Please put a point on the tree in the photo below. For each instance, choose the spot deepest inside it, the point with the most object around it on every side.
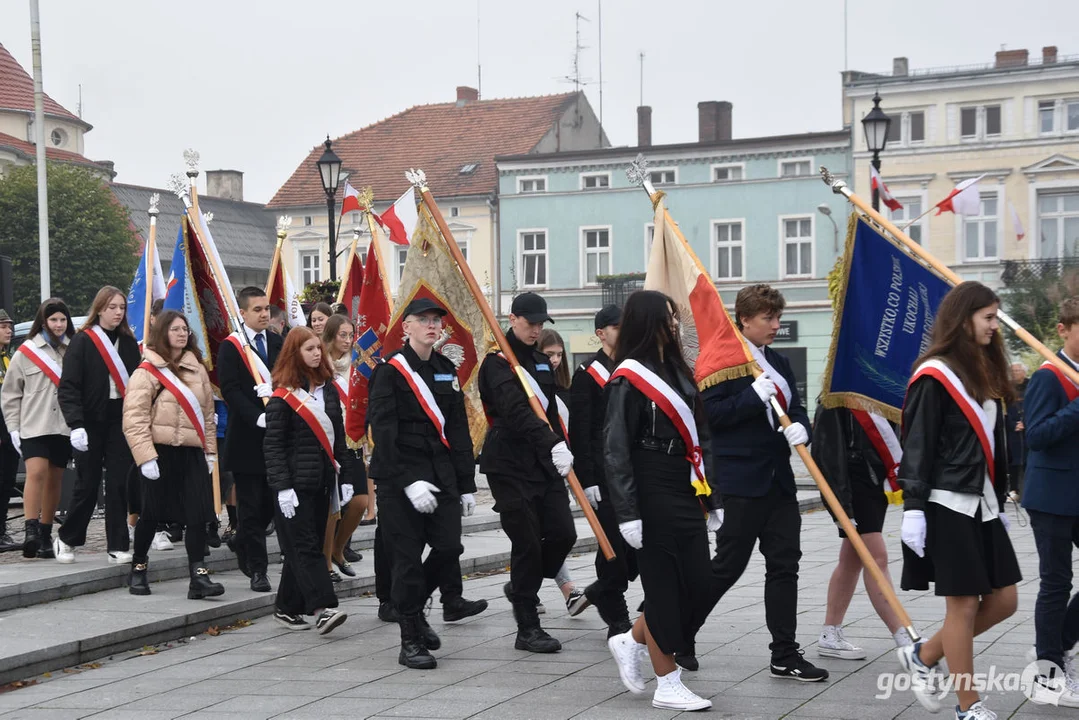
(1034, 303)
(92, 242)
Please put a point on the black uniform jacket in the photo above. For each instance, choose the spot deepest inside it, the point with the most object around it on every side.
(294, 457)
(518, 443)
(243, 436)
(407, 446)
(632, 417)
(941, 450)
(844, 454)
(83, 393)
(587, 411)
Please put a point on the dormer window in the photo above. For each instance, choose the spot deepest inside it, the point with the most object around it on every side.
(468, 168)
(58, 137)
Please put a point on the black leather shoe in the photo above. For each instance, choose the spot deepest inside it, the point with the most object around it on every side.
(345, 567)
(260, 583)
(454, 609)
(536, 640)
(414, 653)
(387, 612)
(136, 581)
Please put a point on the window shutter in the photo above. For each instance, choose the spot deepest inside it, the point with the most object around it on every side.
(1007, 121)
(953, 123)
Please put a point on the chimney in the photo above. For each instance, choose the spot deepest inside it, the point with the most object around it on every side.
(1011, 58)
(900, 67)
(466, 95)
(1049, 54)
(713, 121)
(225, 184)
(644, 126)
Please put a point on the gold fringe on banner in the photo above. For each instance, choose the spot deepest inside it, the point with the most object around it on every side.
(731, 373)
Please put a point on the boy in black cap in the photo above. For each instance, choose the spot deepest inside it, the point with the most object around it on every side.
(424, 474)
(525, 461)
(588, 408)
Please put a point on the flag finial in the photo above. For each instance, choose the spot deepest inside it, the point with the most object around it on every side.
(191, 158)
(837, 185)
(154, 199)
(284, 222)
(177, 185)
(366, 198)
(418, 178)
(637, 172)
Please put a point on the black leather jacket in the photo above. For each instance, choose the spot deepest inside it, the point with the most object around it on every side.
(844, 454)
(941, 450)
(631, 417)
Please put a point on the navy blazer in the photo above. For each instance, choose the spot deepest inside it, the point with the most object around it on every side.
(749, 454)
(1051, 484)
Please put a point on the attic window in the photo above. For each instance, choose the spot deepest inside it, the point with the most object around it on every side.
(468, 168)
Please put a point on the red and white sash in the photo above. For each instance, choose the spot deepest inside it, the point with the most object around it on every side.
(116, 367)
(975, 414)
(43, 360)
(677, 411)
(599, 372)
(423, 395)
(183, 394)
(563, 411)
(259, 372)
(1070, 388)
(342, 387)
(884, 441)
(563, 417)
(316, 418)
(783, 388)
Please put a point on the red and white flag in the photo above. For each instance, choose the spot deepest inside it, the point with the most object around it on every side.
(281, 292)
(1020, 233)
(350, 201)
(963, 200)
(401, 218)
(877, 183)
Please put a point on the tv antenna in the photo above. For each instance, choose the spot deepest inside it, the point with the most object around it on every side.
(575, 78)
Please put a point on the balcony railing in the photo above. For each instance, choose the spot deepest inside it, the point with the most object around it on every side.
(1021, 272)
(616, 288)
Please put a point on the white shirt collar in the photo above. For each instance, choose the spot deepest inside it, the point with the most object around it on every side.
(1073, 363)
(251, 334)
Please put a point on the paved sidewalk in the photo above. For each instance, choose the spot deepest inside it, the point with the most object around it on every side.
(263, 671)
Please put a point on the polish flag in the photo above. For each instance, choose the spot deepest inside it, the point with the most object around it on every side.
(886, 197)
(1020, 233)
(401, 218)
(964, 199)
(351, 200)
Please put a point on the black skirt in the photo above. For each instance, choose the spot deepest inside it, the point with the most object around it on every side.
(963, 555)
(184, 492)
(869, 505)
(54, 448)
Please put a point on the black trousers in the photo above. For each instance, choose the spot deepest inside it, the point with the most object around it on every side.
(775, 521)
(182, 492)
(9, 466)
(406, 533)
(613, 576)
(383, 566)
(255, 508)
(1056, 618)
(305, 580)
(107, 449)
(538, 522)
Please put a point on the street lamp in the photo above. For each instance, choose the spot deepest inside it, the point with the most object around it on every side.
(826, 211)
(876, 124)
(329, 169)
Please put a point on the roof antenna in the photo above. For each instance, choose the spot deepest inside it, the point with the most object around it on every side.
(575, 78)
(479, 67)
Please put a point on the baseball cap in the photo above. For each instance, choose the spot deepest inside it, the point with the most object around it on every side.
(531, 307)
(608, 315)
(422, 305)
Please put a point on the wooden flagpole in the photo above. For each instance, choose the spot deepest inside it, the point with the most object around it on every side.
(419, 181)
(276, 260)
(151, 249)
(348, 267)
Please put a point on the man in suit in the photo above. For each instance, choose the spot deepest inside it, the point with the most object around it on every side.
(245, 394)
(754, 476)
(1051, 497)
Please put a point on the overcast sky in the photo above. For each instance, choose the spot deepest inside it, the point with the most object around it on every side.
(254, 85)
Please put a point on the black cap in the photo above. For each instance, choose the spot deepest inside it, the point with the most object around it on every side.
(608, 315)
(422, 305)
(531, 307)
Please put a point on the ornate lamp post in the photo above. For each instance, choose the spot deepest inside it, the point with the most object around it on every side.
(329, 170)
(876, 124)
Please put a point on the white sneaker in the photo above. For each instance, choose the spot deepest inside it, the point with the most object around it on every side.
(120, 557)
(626, 653)
(832, 644)
(671, 694)
(1070, 696)
(921, 677)
(977, 711)
(161, 541)
(64, 552)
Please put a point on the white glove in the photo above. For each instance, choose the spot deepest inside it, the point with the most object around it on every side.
(913, 531)
(150, 470)
(796, 434)
(715, 520)
(765, 388)
(632, 533)
(347, 491)
(261, 422)
(16, 441)
(593, 495)
(288, 501)
(217, 421)
(211, 460)
(562, 458)
(264, 390)
(79, 440)
(468, 504)
(1007, 523)
(422, 495)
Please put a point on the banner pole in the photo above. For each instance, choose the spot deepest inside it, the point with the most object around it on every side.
(151, 247)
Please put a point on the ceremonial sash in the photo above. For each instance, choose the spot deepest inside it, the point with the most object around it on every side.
(259, 372)
(677, 411)
(563, 417)
(1070, 388)
(111, 358)
(975, 414)
(183, 394)
(316, 418)
(783, 388)
(599, 372)
(423, 395)
(884, 441)
(342, 387)
(45, 363)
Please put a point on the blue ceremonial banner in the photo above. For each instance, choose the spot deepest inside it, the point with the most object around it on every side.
(886, 307)
(139, 296)
(176, 286)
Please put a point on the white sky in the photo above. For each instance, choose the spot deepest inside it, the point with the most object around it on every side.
(254, 85)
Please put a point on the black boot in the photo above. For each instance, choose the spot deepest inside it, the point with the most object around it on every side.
(201, 586)
(457, 608)
(611, 608)
(31, 539)
(44, 534)
(430, 639)
(7, 543)
(136, 581)
(387, 612)
(213, 536)
(413, 648)
(530, 636)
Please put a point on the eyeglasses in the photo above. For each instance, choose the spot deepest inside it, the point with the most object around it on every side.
(427, 319)
(181, 330)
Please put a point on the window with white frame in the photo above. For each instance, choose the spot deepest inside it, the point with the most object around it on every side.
(310, 270)
(534, 258)
(597, 253)
(362, 252)
(531, 184)
(979, 122)
(306, 220)
(912, 208)
(1058, 224)
(663, 177)
(795, 168)
(730, 246)
(354, 218)
(463, 245)
(728, 173)
(980, 231)
(797, 246)
(907, 128)
(401, 256)
(1058, 116)
(595, 181)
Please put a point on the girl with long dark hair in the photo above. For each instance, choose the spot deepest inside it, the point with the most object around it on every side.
(320, 314)
(659, 458)
(954, 478)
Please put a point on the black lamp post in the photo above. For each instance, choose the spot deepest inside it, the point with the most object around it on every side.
(876, 124)
(329, 169)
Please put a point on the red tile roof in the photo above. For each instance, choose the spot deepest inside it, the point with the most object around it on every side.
(440, 139)
(17, 90)
(29, 151)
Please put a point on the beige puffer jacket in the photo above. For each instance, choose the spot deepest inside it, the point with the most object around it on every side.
(152, 415)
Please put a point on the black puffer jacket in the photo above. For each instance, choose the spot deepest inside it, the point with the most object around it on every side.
(294, 457)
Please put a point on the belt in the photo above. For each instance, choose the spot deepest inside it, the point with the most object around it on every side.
(673, 446)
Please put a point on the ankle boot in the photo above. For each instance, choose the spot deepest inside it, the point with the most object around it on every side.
(414, 652)
(530, 636)
(456, 608)
(137, 583)
(430, 639)
(44, 533)
(31, 539)
(6, 542)
(201, 586)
